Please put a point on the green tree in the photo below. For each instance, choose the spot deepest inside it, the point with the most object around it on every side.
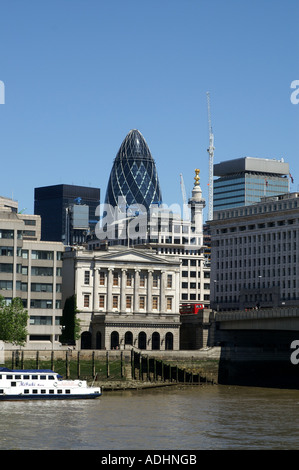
(13, 321)
(70, 321)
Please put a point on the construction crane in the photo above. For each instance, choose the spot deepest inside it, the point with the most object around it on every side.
(211, 160)
(185, 202)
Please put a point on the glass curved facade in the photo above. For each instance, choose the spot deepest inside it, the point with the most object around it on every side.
(134, 175)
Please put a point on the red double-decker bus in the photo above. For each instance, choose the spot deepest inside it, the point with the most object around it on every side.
(191, 308)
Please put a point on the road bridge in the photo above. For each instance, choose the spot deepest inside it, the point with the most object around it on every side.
(265, 327)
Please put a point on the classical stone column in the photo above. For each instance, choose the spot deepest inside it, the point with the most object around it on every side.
(136, 290)
(109, 290)
(162, 292)
(95, 289)
(149, 290)
(123, 291)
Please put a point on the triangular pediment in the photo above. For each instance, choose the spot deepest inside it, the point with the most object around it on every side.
(131, 255)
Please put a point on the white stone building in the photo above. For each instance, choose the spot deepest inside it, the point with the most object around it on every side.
(125, 297)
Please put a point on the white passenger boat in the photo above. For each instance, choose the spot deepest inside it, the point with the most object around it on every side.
(38, 384)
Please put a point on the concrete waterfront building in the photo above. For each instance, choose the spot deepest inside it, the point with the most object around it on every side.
(31, 270)
(255, 254)
(126, 297)
(244, 181)
(68, 212)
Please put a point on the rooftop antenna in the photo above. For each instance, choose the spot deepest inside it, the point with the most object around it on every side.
(211, 161)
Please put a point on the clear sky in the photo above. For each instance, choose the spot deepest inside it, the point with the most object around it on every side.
(79, 74)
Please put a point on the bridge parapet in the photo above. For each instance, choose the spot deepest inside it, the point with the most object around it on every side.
(257, 314)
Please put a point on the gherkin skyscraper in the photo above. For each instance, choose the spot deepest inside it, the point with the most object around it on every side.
(134, 174)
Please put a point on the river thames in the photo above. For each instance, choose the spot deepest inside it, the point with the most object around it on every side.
(174, 418)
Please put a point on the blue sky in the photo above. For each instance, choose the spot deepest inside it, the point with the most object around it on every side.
(79, 74)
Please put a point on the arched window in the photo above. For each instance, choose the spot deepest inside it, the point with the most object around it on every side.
(86, 340)
(169, 341)
(129, 338)
(99, 340)
(114, 340)
(155, 340)
(142, 340)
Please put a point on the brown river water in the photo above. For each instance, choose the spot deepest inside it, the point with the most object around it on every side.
(209, 417)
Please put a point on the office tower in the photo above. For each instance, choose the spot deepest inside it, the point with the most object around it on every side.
(67, 212)
(245, 181)
(255, 258)
(134, 176)
(31, 270)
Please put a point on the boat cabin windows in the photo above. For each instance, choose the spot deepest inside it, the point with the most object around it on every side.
(26, 377)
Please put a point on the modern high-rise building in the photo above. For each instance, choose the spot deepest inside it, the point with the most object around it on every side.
(245, 181)
(68, 212)
(133, 177)
(255, 258)
(31, 269)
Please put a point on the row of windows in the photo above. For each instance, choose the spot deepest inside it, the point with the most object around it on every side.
(129, 279)
(262, 208)
(129, 301)
(26, 377)
(35, 287)
(43, 320)
(35, 270)
(248, 263)
(43, 391)
(279, 235)
(35, 254)
(206, 297)
(270, 248)
(195, 274)
(192, 285)
(41, 303)
(288, 284)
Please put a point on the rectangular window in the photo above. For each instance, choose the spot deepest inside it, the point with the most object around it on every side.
(102, 278)
(155, 303)
(141, 302)
(169, 303)
(40, 303)
(142, 280)
(40, 287)
(6, 268)
(86, 300)
(129, 279)
(169, 280)
(6, 251)
(102, 301)
(37, 254)
(86, 277)
(115, 279)
(115, 301)
(155, 280)
(41, 271)
(128, 301)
